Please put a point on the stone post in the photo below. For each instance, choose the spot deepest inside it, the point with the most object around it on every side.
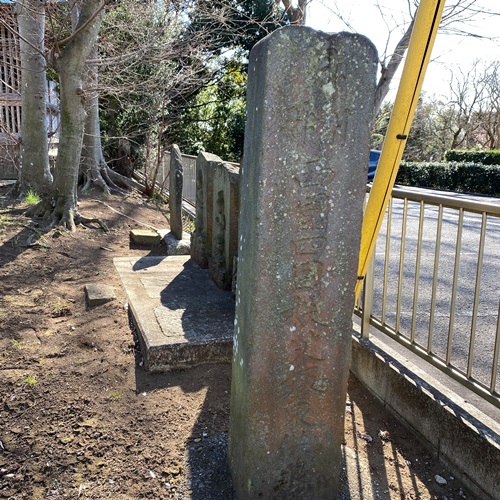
(226, 199)
(202, 236)
(309, 105)
(175, 192)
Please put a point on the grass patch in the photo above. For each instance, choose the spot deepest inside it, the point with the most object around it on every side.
(18, 344)
(30, 380)
(188, 224)
(115, 395)
(43, 244)
(5, 221)
(159, 200)
(60, 308)
(31, 198)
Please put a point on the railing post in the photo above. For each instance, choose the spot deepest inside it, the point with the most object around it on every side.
(368, 299)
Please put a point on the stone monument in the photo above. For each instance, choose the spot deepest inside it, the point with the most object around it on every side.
(309, 105)
(175, 192)
(226, 197)
(202, 236)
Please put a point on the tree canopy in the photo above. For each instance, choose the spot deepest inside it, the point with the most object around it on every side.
(143, 75)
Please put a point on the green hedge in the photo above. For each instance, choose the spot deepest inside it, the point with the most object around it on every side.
(486, 157)
(463, 177)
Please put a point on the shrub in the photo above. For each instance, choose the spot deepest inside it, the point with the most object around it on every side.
(485, 157)
(462, 177)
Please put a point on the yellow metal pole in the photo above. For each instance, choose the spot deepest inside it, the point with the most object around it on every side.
(422, 39)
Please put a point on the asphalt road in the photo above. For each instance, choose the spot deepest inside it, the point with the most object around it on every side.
(461, 323)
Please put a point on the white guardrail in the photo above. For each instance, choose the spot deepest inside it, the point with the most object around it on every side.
(433, 284)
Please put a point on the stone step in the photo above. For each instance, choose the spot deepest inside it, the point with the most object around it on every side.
(182, 318)
(146, 237)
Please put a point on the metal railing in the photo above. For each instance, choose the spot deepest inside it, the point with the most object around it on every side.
(434, 282)
(189, 174)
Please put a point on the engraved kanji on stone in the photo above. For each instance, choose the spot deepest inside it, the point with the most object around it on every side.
(303, 180)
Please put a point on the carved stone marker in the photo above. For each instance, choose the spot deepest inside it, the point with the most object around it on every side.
(202, 236)
(226, 197)
(309, 102)
(175, 192)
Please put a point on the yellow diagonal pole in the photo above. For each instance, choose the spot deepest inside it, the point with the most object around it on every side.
(422, 39)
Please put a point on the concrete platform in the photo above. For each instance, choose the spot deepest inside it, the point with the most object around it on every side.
(182, 318)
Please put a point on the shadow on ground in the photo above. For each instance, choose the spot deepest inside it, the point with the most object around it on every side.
(207, 475)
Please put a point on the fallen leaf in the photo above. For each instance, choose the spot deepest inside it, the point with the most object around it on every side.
(365, 436)
(384, 435)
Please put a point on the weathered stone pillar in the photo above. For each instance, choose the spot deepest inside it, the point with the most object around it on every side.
(226, 199)
(309, 102)
(202, 236)
(175, 192)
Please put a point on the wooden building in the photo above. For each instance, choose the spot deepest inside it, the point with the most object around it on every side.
(10, 96)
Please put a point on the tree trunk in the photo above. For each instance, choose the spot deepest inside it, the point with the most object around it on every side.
(35, 171)
(93, 166)
(71, 67)
(389, 70)
(296, 13)
(70, 143)
(92, 159)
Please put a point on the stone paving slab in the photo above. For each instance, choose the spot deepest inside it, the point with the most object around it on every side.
(182, 318)
(97, 294)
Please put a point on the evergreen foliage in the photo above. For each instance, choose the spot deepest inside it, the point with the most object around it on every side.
(463, 177)
(215, 119)
(485, 157)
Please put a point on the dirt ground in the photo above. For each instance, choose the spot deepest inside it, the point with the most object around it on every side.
(79, 416)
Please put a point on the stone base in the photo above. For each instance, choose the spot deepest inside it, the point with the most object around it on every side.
(210, 476)
(175, 246)
(199, 250)
(222, 276)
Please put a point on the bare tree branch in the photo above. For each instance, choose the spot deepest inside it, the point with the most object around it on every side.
(16, 34)
(456, 17)
(84, 26)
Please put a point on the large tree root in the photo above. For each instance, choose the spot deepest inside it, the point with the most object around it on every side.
(81, 219)
(97, 173)
(126, 216)
(109, 181)
(65, 216)
(42, 209)
(98, 176)
(125, 182)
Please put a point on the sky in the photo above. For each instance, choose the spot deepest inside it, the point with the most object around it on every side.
(450, 53)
